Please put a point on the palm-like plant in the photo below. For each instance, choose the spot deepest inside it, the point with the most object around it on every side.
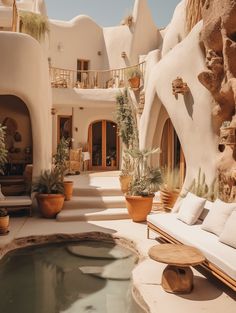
(49, 182)
(146, 179)
(3, 151)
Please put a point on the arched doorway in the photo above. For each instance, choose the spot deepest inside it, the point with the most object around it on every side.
(103, 145)
(172, 154)
(14, 115)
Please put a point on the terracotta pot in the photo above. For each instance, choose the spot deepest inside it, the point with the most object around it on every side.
(50, 204)
(68, 189)
(4, 224)
(125, 182)
(168, 198)
(134, 82)
(139, 207)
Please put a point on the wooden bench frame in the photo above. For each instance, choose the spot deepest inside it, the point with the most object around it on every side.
(216, 271)
(15, 207)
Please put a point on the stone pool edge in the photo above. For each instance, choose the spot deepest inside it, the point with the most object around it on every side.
(37, 240)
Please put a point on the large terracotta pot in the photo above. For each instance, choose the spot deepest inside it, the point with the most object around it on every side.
(50, 204)
(134, 82)
(4, 224)
(168, 198)
(68, 189)
(125, 181)
(139, 207)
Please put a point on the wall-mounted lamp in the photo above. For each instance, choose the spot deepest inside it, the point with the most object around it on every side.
(60, 47)
(53, 111)
(123, 54)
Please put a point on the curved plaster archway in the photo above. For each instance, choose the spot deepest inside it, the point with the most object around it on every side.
(24, 74)
(189, 113)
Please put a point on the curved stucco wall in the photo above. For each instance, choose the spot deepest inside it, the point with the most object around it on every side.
(24, 73)
(80, 38)
(142, 37)
(175, 31)
(190, 113)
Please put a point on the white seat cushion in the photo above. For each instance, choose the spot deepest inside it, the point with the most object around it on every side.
(228, 236)
(216, 218)
(223, 256)
(191, 208)
(14, 201)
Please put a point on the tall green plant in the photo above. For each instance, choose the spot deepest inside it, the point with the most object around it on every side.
(126, 121)
(33, 24)
(171, 178)
(49, 182)
(145, 179)
(3, 151)
(200, 188)
(62, 155)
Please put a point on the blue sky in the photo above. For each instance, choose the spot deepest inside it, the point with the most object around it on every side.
(108, 12)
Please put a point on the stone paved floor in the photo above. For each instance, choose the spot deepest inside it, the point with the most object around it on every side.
(207, 296)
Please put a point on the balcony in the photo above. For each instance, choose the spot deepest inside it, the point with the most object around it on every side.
(90, 79)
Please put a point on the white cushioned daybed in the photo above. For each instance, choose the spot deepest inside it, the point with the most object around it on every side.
(220, 257)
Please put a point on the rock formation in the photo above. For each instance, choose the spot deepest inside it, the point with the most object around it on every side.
(218, 37)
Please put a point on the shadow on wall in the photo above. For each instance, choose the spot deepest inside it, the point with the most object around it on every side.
(189, 102)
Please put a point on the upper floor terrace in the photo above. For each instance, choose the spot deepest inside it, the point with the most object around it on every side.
(95, 79)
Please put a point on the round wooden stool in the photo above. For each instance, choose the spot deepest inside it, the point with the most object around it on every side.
(177, 276)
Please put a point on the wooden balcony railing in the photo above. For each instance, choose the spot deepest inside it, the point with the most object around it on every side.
(116, 78)
(14, 16)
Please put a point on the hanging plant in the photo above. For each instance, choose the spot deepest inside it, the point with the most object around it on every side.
(35, 25)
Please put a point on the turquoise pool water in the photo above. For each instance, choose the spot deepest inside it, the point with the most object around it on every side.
(68, 278)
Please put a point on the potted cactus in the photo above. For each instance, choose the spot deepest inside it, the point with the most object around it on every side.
(170, 189)
(4, 221)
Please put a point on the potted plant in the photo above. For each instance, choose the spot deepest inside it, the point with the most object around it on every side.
(145, 181)
(60, 160)
(50, 193)
(128, 132)
(169, 190)
(4, 222)
(134, 76)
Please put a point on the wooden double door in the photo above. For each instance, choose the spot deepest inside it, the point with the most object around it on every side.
(172, 155)
(103, 145)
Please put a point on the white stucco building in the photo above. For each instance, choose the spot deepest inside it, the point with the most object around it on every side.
(67, 85)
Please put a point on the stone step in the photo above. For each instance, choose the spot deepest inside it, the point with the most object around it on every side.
(95, 202)
(95, 192)
(92, 214)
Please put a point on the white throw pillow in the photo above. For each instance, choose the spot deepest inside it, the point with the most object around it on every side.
(177, 205)
(217, 217)
(228, 236)
(191, 208)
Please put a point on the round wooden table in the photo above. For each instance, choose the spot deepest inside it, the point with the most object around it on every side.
(177, 277)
